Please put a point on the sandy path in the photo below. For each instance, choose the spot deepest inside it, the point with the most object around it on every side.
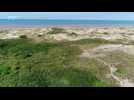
(100, 51)
(113, 69)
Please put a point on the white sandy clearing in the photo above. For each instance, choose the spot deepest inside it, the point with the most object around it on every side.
(9, 36)
(60, 36)
(64, 36)
(102, 49)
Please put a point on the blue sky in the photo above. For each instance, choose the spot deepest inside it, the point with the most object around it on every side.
(72, 15)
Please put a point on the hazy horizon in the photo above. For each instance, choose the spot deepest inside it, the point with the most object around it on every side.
(69, 15)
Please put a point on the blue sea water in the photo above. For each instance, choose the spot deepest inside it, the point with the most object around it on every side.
(47, 22)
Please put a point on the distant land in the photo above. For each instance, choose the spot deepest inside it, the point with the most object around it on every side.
(28, 17)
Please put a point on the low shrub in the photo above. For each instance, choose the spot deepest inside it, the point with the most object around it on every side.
(57, 30)
(73, 34)
(23, 36)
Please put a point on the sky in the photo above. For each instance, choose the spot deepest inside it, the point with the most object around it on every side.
(70, 15)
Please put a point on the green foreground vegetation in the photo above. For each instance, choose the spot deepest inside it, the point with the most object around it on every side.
(47, 64)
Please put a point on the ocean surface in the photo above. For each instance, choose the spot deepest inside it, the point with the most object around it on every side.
(48, 22)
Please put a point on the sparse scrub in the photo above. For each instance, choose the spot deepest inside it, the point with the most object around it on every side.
(91, 41)
(4, 31)
(106, 33)
(56, 31)
(73, 34)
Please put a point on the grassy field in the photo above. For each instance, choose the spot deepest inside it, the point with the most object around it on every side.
(46, 64)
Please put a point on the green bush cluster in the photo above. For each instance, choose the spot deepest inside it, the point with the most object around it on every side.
(23, 36)
(24, 63)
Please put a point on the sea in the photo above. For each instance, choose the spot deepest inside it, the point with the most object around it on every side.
(61, 22)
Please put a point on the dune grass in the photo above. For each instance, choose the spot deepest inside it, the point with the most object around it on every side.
(4, 31)
(56, 30)
(45, 64)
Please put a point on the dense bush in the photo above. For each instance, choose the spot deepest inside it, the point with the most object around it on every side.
(24, 63)
(23, 36)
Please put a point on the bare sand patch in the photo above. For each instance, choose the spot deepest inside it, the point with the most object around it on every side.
(103, 49)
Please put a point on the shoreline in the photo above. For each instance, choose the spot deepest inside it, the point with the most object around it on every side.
(64, 26)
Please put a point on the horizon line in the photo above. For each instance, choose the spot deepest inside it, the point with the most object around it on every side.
(59, 19)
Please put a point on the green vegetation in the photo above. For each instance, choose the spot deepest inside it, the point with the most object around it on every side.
(121, 71)
(91, 41)
(73, 34)
(123, 62)
(39, 35)
(4, 31)
(23, 36)
(46, 64)
(38, 59)
(105, 33)
(56, 30)
(125, 68)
